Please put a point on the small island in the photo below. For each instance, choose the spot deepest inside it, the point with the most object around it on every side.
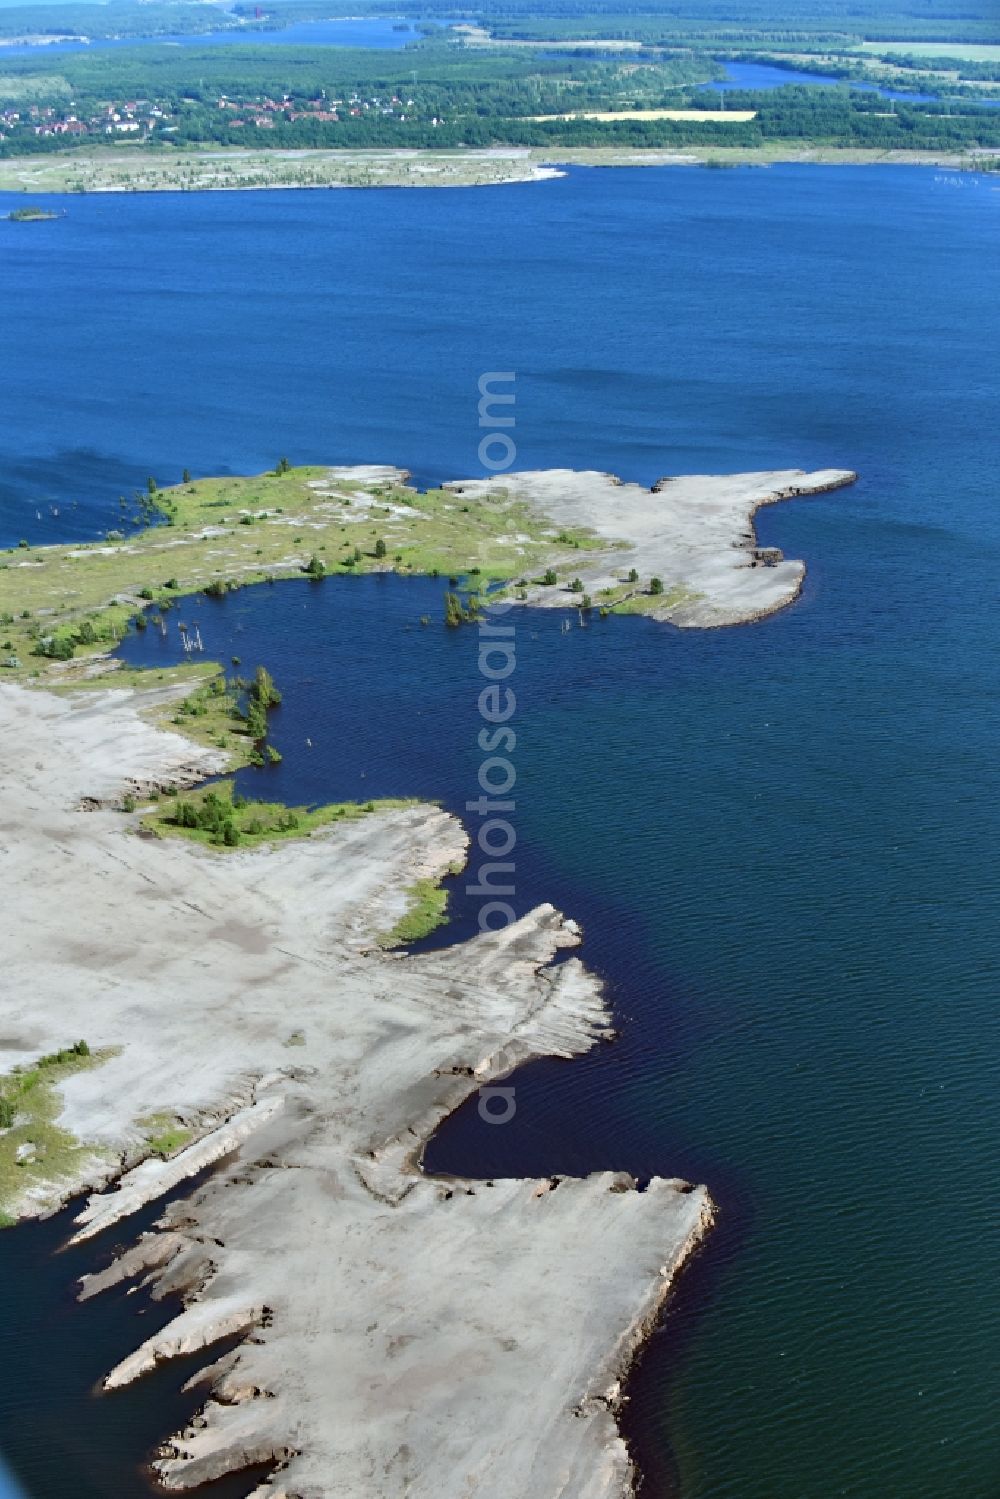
(32, 215)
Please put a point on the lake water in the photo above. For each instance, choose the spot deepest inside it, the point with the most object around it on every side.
(758, 75)
(376, 32)
(780, 839)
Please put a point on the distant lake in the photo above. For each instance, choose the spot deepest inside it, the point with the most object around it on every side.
(748, 75)
(781, 840)
(378, 33)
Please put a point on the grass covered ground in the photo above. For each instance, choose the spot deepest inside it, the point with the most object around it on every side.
(63, 606)
(218, 817)
(33, 1148)
(972, 51)
(427, 910)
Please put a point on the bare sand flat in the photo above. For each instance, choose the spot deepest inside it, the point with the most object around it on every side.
(406, 1336)
(695, 534)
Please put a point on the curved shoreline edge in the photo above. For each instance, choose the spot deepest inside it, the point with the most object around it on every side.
(363, 1285)
(570, 538)
(239, 169)
(242, 1009)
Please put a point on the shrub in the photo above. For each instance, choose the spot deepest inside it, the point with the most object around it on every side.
(380, 548)
(315, 567)
(633, 575)
(216, 589)
(656, 585)
(256, 720)
(454, 611)
(263, 689)
(145, 593)
(7, 1113)
(576, 586)
(56, 648)
(549, 576)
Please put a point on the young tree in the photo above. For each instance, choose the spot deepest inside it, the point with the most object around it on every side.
(263, 689)
(656, 585)
(454, 613)
(380, 548)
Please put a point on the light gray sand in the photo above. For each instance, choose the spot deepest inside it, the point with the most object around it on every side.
(408, 1337)
(694, 533)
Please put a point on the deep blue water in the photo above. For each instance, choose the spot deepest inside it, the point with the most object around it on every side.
(780, 839)
(372, 31)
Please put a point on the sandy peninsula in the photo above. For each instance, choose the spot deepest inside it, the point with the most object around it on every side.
(242, 169)
(683, 551)
(405, 1335)
(170, 1006)
(694, 534)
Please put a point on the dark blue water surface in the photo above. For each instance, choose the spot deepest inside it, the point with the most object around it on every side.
(780, 839)
(376, 32)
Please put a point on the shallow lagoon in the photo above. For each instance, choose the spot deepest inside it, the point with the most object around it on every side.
(779, 839)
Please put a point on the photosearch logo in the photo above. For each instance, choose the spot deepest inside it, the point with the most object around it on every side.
(496, 837)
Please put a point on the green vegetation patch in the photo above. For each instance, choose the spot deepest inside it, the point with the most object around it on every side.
(219, 817)
(33, 1147)
(62, 606)
(165, 1134)
(426, 911)
(647, 601)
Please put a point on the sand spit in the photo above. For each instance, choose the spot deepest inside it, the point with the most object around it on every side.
(405, 1336)
(694, 533)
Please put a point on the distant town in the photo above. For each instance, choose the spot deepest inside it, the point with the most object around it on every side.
(141, 118)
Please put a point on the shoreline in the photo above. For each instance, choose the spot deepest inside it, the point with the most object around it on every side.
(199, 1007)
(239, 169)
(254, 1019)
(684, 552)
